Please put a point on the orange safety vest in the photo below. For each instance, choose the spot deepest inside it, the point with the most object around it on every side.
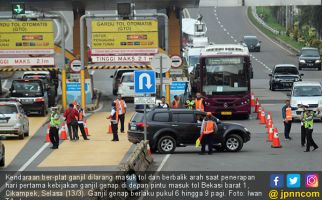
(118, 102)
(175, 104)
(80, 116)
(288, 114)
(209, 127)
(199, 105)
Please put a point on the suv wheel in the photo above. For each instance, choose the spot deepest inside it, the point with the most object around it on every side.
(273, 87)
(21, 136)
(319, 68)
(2, 162)
(234, 143)
(166, 144)
(300, 68)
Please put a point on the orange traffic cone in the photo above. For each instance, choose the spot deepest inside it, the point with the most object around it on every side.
(47, 134)
(257, 106)
(270, 135)
(276, 141)
(63, 134)
(269, 123)
(259, 112)
(109, 129)
(85, 127)
(268, 118)
(262, 117)
(252, 102)
(149, 150)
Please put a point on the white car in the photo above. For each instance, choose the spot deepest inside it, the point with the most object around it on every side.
(306, 93)
(126, 86)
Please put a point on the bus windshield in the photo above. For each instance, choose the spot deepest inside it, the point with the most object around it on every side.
(225, 75)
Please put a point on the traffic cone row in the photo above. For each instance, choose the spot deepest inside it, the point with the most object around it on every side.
(272, 133)
(252, 102)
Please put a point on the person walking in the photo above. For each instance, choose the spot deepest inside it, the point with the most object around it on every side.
(287, 119)
(208, 128)
(176, 102)
(80, 121)
(54, 127)
(163, 104)
(308, 124)
(70, 115)
(190, 103)
(114, 122)
(121, 110)
(199, 102)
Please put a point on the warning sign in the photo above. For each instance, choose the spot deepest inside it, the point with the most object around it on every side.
(26, 36)
(125, 34)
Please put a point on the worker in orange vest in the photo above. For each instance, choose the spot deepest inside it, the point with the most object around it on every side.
(208, 128)
(114, 122)
(199, 102)
(176, 102)
(121, 110)
(80, 120)
(287, 118)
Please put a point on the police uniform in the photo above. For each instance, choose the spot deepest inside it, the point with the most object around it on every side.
(190, 104)
(308, 124)
(80, 121)
(54, 129)
(208, 129)
(303, 130)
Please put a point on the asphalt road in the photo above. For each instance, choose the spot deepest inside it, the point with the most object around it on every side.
(229, 25)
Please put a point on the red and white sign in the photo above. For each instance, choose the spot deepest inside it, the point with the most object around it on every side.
(122, 59)
(123, 51)
(27, 61)
(176, 61)
(76, 65)
(25, 51)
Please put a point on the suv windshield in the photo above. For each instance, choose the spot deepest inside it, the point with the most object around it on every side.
(121, 72)
(250, 40)
(286, 70)
(225, 75)
(310, 53)
(128, 78)
(193, 60)
(8, 109)
(138, 117)
(307, 91)
(26, 88)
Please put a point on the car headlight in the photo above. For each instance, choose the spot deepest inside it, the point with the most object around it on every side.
(18, 125)
(302, 61)
(296, 79)
(318, 61)
(258, 44)
(246, 129)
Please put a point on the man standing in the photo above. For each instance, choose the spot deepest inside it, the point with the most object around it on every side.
(308, 124)
(208, 128)
(114, 122)
(287, 118)
(121, 110)
(200, 103)
(80, 120)
(190, 103)
(163, 104)
(176, 102)
(72, 125)
(54, 127)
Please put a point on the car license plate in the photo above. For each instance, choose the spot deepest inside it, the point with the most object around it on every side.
(3, 121)
(27, 100)
(133, 128)
(226, 113)
(310, 64)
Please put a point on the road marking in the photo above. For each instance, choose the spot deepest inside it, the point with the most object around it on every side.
(163, 162)
(235, 41)
(23, 167)
(225, 29)
(228, 33)
(267, 36)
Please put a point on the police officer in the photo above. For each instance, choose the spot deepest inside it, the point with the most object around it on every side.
(308, 124)
(303, 131)
(208, 128)
(54, 127)
(114, 122)
(190, 103)
(287, 119)
(80, 120)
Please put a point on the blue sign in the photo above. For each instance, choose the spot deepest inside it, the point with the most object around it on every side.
(76, 86)
(144, 82)
(178, 85)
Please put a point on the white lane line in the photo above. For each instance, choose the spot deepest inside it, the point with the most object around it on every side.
(163, 162)
(232, 37)
(225, 29)
(235, 41)
(290, 52)
(23, 167)
(221, 26)
(228, 33)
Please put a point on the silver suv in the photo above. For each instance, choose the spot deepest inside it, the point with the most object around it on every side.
(13, 119)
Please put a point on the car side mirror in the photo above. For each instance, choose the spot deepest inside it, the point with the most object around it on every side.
(270, 75)
(288, 94)
(111, 76)
(301, 74)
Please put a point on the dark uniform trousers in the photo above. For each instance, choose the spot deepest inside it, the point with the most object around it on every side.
(287, 129)
(309, 140)
(121, 119)
(303, 135)
(114, 130)
(207, 139)
(72, 130)
(54, 137)
(82, 130)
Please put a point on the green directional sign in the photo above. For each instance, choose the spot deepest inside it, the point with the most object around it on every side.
(18, 8)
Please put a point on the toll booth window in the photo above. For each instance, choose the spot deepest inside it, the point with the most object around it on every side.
(7, 109)
(161, 117)
(183, 117)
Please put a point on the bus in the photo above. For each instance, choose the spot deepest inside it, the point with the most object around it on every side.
(223, 78)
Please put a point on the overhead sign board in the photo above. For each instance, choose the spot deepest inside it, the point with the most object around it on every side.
(27, 61)
(144, 82)
(161, 60)
(121, 59)
(125, 34)
(144, 100)
(27, 35)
